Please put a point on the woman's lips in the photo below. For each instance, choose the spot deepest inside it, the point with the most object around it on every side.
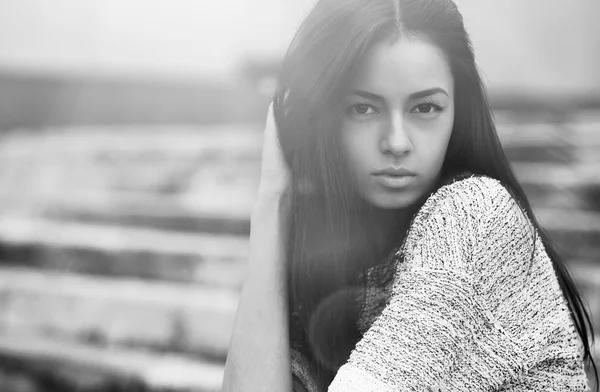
(394, 182)
(395, 171)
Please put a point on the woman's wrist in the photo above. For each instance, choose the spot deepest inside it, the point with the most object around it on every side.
(268, 199)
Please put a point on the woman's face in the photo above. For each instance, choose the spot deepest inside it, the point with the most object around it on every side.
(397, 120)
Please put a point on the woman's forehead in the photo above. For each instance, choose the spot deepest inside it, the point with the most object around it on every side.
(401, 68)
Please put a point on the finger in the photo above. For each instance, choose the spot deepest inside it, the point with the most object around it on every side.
(272, 151)
(274, 170)
(271, 136)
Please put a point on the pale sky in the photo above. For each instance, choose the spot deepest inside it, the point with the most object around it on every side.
(182, 37)
(522, 43)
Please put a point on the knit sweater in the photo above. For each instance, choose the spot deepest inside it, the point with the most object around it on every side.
(474, 305)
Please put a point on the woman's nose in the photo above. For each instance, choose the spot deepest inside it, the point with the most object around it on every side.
(396, 140)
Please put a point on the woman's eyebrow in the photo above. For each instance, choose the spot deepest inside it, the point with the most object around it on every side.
(368, 95)
(428, 92)
(413, 96)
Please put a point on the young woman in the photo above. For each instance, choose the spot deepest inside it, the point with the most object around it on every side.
(392, 248)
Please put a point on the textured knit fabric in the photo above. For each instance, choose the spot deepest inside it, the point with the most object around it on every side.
(475, 305)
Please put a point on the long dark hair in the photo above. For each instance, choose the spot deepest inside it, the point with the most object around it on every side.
(333, 237)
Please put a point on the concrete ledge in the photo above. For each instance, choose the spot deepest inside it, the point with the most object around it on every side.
(115, 238)
(121, 312)
(557, 175)
(73, 363)
(574, 221)
(575, 134)
(214, 260)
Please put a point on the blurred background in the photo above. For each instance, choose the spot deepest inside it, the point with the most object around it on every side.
(130, 134)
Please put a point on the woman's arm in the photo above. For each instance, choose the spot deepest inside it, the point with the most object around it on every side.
(259, 354)
(470, 310)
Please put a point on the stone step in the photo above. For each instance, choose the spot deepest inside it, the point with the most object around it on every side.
(535, 154)
(576, 233)
(217, 214)
(570, 221)
(557, 175)
(24, 229)
(75, 367)
(556, 152)
(201, 258)
(209, 259)
(551, 143)
(157, 316)
(226, 189)
(133, 139)
(574, 186)
(170, 160)
(583, 133)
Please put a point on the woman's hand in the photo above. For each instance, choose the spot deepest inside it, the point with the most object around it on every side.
(275, 175)
(258, 358)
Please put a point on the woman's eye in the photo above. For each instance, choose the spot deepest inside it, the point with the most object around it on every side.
(427, 108)
(361, 109)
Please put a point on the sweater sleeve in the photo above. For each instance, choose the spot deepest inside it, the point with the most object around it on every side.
(440, 329)
(551, 376)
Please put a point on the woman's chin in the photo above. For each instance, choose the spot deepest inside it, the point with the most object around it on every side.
(400, 200)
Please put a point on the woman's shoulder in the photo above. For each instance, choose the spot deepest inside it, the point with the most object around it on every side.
(470, 214)
(473, 196)
(470, 187)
